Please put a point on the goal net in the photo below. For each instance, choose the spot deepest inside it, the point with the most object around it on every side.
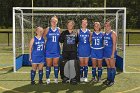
(25, 19)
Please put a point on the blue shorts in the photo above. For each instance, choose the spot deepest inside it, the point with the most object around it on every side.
(97, 53)
(52, 55)
(84, 51)
(38, 59)
(108, 53)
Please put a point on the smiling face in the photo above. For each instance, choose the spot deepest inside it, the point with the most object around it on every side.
(54, 21)
(39, 31)
(97, 26)
(84, 23)
(107, 26)
(70, 24)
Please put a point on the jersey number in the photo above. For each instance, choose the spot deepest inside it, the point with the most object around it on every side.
(53, 38)
(97, 41)
(84, 38)
(106, 42)
(40, 47)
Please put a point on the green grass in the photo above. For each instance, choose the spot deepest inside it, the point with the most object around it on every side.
(20, 82)
(124, 82)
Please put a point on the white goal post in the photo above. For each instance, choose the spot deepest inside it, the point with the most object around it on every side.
(24, 18)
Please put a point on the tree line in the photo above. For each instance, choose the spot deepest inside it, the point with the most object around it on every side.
(133, 8)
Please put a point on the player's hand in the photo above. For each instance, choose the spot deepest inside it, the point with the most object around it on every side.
(112, 56)
(30, 59)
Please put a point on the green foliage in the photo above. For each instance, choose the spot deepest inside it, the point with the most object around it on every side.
(133, 8)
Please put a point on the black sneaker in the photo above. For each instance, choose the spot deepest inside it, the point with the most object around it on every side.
(106, 82)
(40, 82)
(65, 80)
(110, 83)
(73, 81)
(93, 79)
(32, 82)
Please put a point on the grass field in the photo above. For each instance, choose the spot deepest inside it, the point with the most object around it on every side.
(125, 82)
(11, 82)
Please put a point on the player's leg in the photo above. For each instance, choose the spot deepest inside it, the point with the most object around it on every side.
(48, 69)
(81, 69)
(86, 69)
(94, 64)
(65, 55)
(108, 71)
(40, 72)
(56, 70)
(99, 61)
(33, 73)
(112, 71)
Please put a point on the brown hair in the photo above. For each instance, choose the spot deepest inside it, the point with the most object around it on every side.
(71, 22)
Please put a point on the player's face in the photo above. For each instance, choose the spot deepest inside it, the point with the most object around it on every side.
(84, 23)
(107, 26)
(53, 22)
(39, 31)
(96, 27)
(70, 26)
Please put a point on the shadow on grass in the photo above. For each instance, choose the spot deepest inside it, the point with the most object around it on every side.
(6, 71)
(54, 88)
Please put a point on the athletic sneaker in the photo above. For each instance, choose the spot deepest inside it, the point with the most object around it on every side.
(56, 80)
(32, 82)
(65, 80)
(73, 81)
(85, 80)
(48, 81)
(106, 82)
(93, 79)
(82, 79)
(40, 82)
(110, 83)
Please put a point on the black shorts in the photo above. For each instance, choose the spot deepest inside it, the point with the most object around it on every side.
(69, 55)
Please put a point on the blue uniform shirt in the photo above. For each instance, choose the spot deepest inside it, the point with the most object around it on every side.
(84, 44)
(38, 50)
(97, 40)
(52, 44)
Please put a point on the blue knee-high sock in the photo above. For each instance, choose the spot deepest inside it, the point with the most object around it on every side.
(40, 74)
(81, 71)
(48, 70)
(33, 73)
(99, 72)
(56, 71)
(109, 74)
(93, 72)
(85, 71)
(113, 73)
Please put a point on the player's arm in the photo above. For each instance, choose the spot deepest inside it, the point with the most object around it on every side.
(77, 36)
(114, 39)
(30, 49)
(90, 37)
(59, 30)
(62, 37)
(45, 32)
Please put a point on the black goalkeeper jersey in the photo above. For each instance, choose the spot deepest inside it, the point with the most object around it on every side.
(69, 41)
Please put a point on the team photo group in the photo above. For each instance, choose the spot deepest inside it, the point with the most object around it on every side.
(68, 52)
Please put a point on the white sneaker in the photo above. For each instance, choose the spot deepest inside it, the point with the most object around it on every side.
(56, 80)
(48, 81)
(85, 80)
(81, 79)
